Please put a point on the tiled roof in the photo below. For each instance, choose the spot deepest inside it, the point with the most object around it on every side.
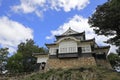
(103, 47)
(78, 34)
(50, 44)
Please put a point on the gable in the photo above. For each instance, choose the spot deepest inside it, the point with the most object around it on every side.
(70, 31)
(67, 38)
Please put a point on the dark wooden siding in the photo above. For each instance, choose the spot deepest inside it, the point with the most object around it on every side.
(52, 56)
(67, 55)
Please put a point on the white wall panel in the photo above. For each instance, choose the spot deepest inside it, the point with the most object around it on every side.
(40, 60)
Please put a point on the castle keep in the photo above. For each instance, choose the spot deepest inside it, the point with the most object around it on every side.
(72, 50)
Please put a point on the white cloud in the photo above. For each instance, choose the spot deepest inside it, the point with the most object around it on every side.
(80, 24)
(12, 33)
(30, 6)
(77, 23)
(113, 48)
(68, 5)
(33, 6)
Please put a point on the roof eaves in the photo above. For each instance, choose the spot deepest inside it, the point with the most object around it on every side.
(88, 40)
(103, 47)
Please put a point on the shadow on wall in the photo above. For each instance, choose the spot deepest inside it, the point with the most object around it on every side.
(40, 66)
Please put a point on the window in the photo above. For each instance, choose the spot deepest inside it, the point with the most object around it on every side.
(86, 49)
(68, 47)
(71, 49)
(83, 49)
(68, 50)
(53, 51)
(63, 50)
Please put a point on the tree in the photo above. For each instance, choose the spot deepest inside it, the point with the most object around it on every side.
(3, 58)
(27, 49)
(118, 51)
(106, 20)
(14, 63)
(22, 60)
(114, 60)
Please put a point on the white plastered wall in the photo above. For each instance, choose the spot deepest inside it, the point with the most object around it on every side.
(40, 60)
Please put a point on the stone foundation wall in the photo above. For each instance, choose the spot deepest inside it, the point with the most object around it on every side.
(70, 63)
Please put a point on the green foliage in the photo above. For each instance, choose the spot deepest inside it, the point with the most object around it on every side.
(27, 49)
(114, 60)
(106, 20)
(71, 74)
(3, 58)
(14, 64)
(115, 78)
(89, 73)
(118, 50)
(22, 60)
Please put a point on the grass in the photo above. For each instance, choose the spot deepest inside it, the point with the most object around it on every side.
(94, 73)
(88, 73)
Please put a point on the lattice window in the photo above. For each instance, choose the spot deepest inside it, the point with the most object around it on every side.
(68, 47)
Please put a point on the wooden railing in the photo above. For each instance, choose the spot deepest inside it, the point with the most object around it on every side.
(67, 55)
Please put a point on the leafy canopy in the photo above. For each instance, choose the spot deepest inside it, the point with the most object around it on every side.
(3, 58)
(22, 60)
(106, 20)
(14, 64)
(114, 60)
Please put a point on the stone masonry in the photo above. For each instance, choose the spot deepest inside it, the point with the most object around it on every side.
(70, 63)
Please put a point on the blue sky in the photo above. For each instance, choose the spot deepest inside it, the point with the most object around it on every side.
(42, 19)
